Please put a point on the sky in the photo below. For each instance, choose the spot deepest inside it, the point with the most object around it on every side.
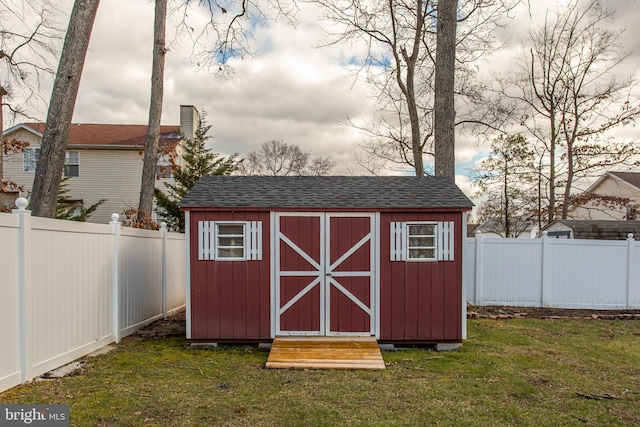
(291, 90)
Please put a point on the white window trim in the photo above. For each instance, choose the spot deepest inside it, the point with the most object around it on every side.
(66, 157)
(407, 236)
(36, 153)
(215, 246)
(164, 170)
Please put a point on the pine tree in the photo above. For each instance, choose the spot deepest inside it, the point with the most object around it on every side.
(72, 212)
(197, 161)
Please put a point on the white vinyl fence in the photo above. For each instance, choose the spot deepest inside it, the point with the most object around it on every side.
(547, 272)
(68, 288)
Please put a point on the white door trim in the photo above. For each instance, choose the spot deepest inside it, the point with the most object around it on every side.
(331, 274)
(316, 276)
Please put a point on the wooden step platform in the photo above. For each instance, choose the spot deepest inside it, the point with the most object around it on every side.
(325, 353)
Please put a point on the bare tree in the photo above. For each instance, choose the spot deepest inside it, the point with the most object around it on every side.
(63, 98)
(227, 33)
(28, 44)
(148, 183)
(507, 181)
(277, 158)
(400, 66)
(568, 98)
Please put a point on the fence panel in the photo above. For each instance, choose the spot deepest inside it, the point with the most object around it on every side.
(69, 300)
(10, 374)
(175, 272)
(511, 272)
(469, 269)
(587, 274)
(634, 274)
(140, 278)
(64, 285)
(562, 273)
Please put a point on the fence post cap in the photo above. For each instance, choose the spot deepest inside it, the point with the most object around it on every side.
(115, 217)
(22, 203)
(163, 225)
(545, 234)
(478, 233)
(630, 236)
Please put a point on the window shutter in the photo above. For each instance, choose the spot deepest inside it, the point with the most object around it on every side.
(397, 241)
(254, 240)
(445, 241)
(204, 242)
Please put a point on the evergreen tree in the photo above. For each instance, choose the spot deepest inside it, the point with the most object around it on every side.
(73, 212)
(508, 184)
(196, 161)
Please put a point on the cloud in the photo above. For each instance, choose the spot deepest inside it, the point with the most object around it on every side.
(291, 90)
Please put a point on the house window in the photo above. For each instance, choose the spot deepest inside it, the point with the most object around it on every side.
(229, 240)
(30, 159)
(421, 241)
(163, 172)
(9, 199)
(72, 164)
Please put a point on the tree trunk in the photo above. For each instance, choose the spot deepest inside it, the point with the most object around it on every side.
(507, 214)
(551, 215)
(3, 203)
(445, 113)
(63, 99)
(566, 197)
(412, 107)
(145, 206)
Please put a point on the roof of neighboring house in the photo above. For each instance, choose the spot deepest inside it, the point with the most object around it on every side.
(495, 225)
(631, 178)
(106, 135)
(600, 230)
(326, 192)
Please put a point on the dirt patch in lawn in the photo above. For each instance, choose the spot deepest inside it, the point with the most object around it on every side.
(172, 326)
(502, 312)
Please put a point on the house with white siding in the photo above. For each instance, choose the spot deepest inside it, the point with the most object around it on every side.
(103, 161)
(615, 196)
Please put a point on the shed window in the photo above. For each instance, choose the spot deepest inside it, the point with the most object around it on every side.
(229, 240)
(421, 241)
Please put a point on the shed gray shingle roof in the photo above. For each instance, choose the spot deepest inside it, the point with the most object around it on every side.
(326, 192)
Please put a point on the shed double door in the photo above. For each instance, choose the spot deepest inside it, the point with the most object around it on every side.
(325, 274)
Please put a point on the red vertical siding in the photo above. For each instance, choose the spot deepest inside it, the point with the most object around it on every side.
(230, 299)
(420, 301)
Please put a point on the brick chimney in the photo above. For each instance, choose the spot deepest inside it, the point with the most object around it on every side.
(189, 119)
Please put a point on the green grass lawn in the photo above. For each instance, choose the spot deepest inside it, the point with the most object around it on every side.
(515, 372)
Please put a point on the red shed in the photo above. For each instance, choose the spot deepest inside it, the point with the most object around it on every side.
(336, 255)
